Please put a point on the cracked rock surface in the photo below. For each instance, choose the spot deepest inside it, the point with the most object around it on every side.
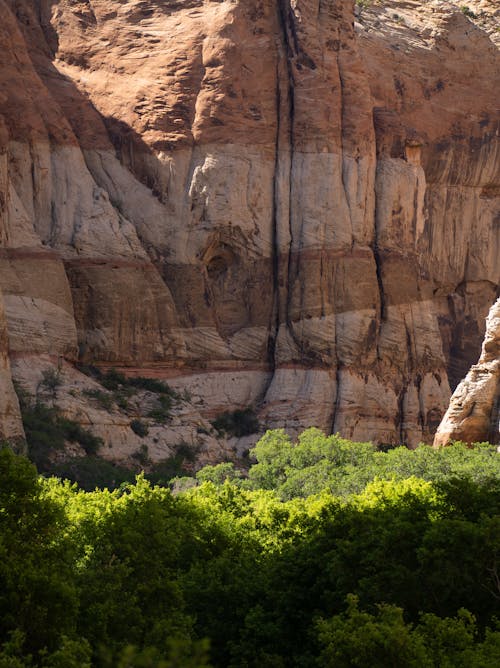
(474, 411)
(266, 202)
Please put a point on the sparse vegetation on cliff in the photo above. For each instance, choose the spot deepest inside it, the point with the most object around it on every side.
(362, 5)
(119, 389)
(467, 11)
(48, 431)
(241, 422)
(140, 428)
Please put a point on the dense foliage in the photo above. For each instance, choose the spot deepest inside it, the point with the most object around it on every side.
(388, 570)
(317, 462)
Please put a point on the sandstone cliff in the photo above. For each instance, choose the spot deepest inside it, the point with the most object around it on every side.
(474, 411)
(267, 202)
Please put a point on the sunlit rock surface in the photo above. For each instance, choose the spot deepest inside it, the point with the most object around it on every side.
(271, 203)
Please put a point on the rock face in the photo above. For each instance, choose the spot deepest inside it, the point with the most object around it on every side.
(474, 411)
(267, 201)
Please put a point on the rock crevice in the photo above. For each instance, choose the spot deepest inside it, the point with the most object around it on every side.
(473, 414)
(265, 193)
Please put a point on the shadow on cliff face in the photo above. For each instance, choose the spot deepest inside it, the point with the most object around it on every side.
(223, 290)
(462, 332)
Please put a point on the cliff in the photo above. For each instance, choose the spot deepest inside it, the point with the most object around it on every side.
(266, 202)
(474, 411)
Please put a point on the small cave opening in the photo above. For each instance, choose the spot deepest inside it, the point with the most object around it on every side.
(218, 262)
(217, 267)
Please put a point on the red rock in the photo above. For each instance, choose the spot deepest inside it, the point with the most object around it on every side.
(256, 184)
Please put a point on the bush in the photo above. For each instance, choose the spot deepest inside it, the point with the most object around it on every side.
(142, 455)
(139, 428)
(113, 379)
(47, 431)
(159, 415)
(176, 466)
(162, 412)
(75, 433)
(51, 380)
(237, 423)
(122, 388)
(217, 474)
(467, 11)
(92, 472)
(153, 385)
(163, 472)
(104, 399)
(362, 5)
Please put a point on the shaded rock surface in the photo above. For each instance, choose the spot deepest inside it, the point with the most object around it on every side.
(267, 202)
(474, 411)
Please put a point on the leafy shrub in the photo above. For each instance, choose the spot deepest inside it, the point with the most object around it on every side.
(51, 380)
(362, 5)
(467, 11)
(121, 401)
(162, 473)
(162, 412)
(91, 473)
(237, 423)
(140, 428)
(47, 431)
(113, 379)
(217, 474)
(74, 432)
(142, 455)
(123, 388)
(104, 399)
(186, 451)
(159, 415)
(153, 385)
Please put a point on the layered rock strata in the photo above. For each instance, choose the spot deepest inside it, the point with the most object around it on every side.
(474, 411)
(264, 201)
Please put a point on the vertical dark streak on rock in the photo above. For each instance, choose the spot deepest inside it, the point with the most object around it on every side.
(494, 431)
(287, 26)
(275, 315)
(342, 117)
(284, 114)
(377, 256)
(338, 393)
(414, 218)
(378, 269)
(418, 385)
(400, 416)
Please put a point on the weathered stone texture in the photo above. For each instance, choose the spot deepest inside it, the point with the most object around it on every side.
(264, 187)
(474, 411)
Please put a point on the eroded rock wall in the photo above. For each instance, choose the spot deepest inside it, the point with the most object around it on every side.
(268, 196)
(474, 411)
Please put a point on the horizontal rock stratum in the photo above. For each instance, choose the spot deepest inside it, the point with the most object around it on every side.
(284, 203)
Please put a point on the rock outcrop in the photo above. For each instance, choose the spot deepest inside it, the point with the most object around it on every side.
(474, 411)
(267, 202)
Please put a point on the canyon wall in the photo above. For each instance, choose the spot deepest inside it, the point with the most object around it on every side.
(286, 204)
(474, 411)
